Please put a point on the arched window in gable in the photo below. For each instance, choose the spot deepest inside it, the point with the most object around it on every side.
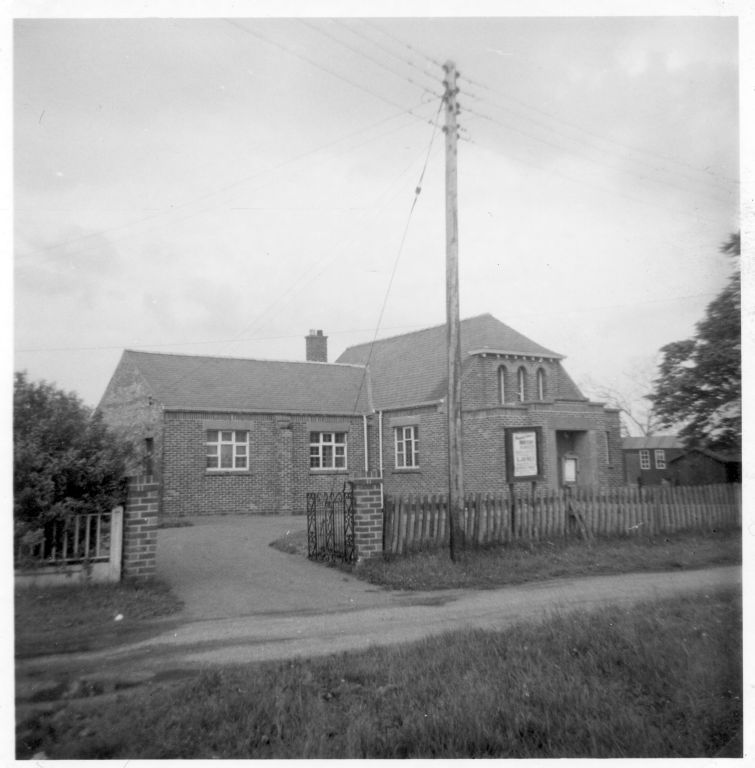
(540, 384)
(521, 382)
(501, 384)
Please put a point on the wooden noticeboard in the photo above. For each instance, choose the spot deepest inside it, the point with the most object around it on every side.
(523, 454)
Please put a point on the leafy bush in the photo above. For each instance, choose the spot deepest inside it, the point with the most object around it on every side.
(65, 460)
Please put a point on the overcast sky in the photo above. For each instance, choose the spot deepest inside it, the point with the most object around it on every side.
(221, 186)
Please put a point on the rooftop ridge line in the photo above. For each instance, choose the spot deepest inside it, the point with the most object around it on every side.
(243, 359)
(419, 330)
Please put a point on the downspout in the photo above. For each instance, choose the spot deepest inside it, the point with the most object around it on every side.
(380, 456)
(366, 447)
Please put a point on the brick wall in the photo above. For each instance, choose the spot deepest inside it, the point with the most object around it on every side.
(278, 478)
(368, 518)
(484, 445)
(431, 422)
(480, 380)
(140, 528)
(128, 409)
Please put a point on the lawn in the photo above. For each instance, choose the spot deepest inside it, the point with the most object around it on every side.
(518, 563)
(661, 679)
(85, 617)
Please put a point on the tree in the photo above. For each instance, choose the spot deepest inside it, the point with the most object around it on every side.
(628, 397)
(65, 460)
(699, 386)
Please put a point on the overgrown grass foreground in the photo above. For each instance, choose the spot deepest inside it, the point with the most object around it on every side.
(659, 680)
(521, 562)
(82, 617)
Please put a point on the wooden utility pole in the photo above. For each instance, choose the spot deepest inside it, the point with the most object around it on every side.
(453, 345)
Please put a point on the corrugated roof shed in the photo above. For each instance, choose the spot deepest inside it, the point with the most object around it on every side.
(411, 368)
(234, 384)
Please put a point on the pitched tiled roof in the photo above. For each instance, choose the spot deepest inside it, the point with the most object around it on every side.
(223, 383)
(654, 441)
(411, 368)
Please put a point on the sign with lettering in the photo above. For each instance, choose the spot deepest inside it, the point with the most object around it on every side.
(523, 453)
(524, 448)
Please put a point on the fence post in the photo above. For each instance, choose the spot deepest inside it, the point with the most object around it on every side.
(140, 527)
(116, 544)
(368, 518)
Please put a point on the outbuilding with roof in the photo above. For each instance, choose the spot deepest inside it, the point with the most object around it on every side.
(646, 458)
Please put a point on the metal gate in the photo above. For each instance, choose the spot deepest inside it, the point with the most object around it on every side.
(330, 525)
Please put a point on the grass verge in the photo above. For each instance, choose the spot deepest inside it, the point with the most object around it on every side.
(292, 543)
(82, 617)
(661, 679)
(518, 563)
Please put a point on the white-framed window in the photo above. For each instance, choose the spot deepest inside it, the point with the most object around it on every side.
(521, 383)
(644, 459)
(327, 450)
(502, 384)
(660, 458)
(407, 447)
(540, 384)
(227, 450)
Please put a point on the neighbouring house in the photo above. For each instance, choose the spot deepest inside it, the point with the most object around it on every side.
(646, 459)
(228, 435)
(699, 466)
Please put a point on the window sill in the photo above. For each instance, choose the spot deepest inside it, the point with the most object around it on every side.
(406, 471)
(226, 472)
(329, 471)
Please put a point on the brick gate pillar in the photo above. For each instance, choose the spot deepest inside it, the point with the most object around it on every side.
(140, 527)
(368, 518)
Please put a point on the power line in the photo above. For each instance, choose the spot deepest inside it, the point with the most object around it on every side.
(213, 193)
(404, 44)
(314, 63)
(369, 58)
(584, 155)
(384, 48)
(344, 331)
(599, 187)
(290, 290)
(140, 345)
(639, 150)
(417, 192)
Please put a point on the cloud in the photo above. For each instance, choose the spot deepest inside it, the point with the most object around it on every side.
(78, 264)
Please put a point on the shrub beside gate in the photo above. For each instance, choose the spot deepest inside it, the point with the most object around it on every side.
(414, 522)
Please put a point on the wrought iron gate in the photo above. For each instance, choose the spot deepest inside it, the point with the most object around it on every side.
(330, 525)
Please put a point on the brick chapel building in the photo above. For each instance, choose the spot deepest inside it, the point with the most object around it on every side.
(226, 435)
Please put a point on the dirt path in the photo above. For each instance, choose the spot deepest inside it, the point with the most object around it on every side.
(200, 644)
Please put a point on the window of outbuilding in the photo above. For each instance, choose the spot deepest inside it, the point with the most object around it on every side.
(660, 458)
(644, 459)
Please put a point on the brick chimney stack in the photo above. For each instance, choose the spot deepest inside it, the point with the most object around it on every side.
(317, 347)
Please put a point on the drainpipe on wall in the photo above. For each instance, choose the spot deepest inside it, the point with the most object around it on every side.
(380, 456)
(366, 447)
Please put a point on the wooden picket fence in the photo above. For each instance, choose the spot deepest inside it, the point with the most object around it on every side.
(417, 522)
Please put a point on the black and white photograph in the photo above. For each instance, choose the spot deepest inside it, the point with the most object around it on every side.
(377, 380)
